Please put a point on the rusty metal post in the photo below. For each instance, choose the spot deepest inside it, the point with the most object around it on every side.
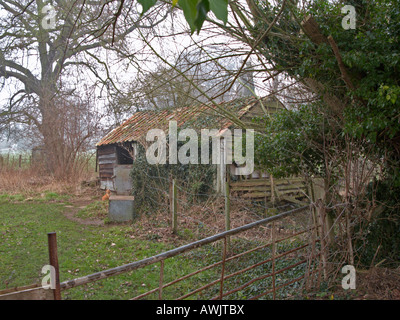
(52, 240)
(221, 288)
(273, 260)
(227, 212)
(310, 263)
(161, 283)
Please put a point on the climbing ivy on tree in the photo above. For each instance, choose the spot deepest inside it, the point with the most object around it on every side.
(371, 58)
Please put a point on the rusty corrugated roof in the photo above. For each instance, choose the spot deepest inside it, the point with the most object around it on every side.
(137, 126)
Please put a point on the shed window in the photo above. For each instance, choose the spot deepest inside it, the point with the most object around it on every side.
(123, 156)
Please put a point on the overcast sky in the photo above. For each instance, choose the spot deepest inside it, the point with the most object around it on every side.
(167, 47)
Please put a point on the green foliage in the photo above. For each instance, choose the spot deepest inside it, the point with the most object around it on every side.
(378, 120)
(381, 240)
(291, 142)
(195, 11)
(189, 8)
(370, 53)
(220, 9)
(147, 4)
(150, 182)
(369, 93)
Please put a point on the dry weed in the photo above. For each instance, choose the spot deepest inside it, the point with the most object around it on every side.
(34, 180)
(379, 284)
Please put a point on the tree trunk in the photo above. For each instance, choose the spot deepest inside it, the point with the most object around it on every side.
(53, 133)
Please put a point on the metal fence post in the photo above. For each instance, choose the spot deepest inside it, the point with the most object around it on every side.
(227, 212)
(221, 288)
(52, 241)
(273, 260)
(161, 283)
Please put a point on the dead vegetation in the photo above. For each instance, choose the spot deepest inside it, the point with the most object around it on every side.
(201, 219)
(376, 283)
(379, 284)
(35, 179)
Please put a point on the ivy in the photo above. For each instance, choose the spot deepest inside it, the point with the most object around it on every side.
(285, 148)
(150, 182)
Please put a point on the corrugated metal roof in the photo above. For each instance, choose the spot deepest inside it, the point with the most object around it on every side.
(137, 126)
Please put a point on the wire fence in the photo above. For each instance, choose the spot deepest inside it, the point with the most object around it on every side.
(15, 160)
(209, 209)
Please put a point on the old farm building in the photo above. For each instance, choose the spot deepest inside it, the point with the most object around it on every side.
(116, 151)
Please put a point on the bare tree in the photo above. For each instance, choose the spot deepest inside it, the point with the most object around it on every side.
(41, 43)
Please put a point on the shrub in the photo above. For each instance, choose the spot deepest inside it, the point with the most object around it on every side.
(151, 182)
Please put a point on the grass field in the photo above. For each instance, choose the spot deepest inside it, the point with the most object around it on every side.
(82, 250)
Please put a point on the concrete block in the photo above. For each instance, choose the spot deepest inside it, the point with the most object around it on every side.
(123, 180)
(121, 208)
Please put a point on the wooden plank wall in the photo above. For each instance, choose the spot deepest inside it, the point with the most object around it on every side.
(291, 189)
(107, 159)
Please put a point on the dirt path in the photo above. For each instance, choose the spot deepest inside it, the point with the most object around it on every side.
(77, 204)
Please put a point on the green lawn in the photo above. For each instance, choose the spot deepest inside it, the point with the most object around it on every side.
(82, 250)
